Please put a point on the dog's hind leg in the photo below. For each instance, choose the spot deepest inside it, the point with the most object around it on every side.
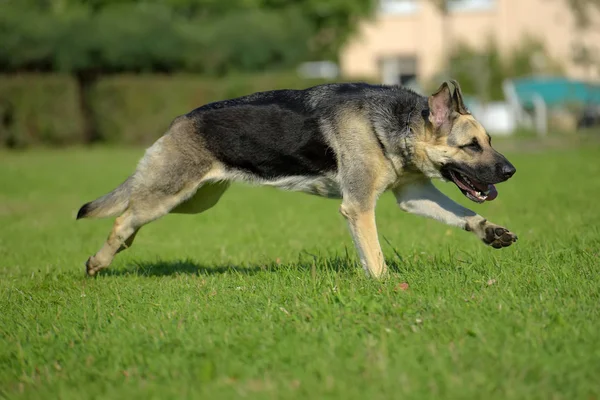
(128, 242)
(167, 177)
(128, 225)
(145, 207)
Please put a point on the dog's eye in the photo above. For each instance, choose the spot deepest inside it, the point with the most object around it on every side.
(474, 145)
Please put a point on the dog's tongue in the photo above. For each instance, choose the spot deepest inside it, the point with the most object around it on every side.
(492, 194)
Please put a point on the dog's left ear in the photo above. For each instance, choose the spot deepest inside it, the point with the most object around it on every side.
(457, 99)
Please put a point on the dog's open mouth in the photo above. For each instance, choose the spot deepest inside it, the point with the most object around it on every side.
(474, 190)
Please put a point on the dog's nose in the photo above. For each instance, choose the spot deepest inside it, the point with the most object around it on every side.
(508, 170)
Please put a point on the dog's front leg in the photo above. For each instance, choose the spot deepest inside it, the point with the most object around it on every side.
(364, 234)
(361, 221)
(422, 198)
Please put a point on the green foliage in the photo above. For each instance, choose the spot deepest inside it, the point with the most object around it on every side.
(255, 298)
(248, 41)
(137, 109)
(333, 21)
(92, 38)
(481, 72)
(205, 36)
(127, 109)
(38, 110)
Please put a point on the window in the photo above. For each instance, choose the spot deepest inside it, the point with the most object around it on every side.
(470, 5)
(398, 70)
(398, 6)
(412, 6)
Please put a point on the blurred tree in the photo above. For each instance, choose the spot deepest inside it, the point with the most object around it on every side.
(88, 38)
(331, 21)
(148, 35)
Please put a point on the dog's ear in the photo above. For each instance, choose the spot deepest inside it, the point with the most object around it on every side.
(440, 106)
(457, 99)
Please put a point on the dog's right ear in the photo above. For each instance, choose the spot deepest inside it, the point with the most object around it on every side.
(440, 107)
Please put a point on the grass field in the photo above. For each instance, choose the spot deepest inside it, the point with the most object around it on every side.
(261, 297)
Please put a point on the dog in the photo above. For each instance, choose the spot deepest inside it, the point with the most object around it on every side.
(348, 141)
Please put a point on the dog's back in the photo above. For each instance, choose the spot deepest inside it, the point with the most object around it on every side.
(281, 133)
(274, 134)
(304, 101)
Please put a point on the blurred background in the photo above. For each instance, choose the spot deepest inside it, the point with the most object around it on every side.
(118, 71)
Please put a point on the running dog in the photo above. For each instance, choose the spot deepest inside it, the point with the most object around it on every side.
(350, 141)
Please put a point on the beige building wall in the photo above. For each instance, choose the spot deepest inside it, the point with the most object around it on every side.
(422, 34)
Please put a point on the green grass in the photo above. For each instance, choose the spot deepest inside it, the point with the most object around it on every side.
(261, 297)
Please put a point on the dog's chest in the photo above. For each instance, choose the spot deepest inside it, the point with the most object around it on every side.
(324, 185)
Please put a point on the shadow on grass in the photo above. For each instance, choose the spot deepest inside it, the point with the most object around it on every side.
(190, 267)
(177, 267)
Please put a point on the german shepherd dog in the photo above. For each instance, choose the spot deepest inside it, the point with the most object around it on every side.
(350, 141)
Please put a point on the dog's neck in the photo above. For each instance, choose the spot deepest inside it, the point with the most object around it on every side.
(414, 124)
(398, 134)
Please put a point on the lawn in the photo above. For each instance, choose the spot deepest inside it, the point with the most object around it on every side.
(261, 296)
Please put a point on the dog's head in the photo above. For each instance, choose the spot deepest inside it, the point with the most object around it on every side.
(458, 149)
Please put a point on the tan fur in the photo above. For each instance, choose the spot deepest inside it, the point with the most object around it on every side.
(435, 147)
(364, 234)
(369, 173)
(422, 198)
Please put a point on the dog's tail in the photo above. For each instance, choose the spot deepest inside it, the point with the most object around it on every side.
(109, 205)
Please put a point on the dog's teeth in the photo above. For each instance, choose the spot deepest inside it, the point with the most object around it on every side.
(468, 182)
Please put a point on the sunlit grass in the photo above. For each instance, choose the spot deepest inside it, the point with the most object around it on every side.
(262, 297)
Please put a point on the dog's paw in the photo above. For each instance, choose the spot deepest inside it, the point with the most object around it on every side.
(498, 237)
(92, 267)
